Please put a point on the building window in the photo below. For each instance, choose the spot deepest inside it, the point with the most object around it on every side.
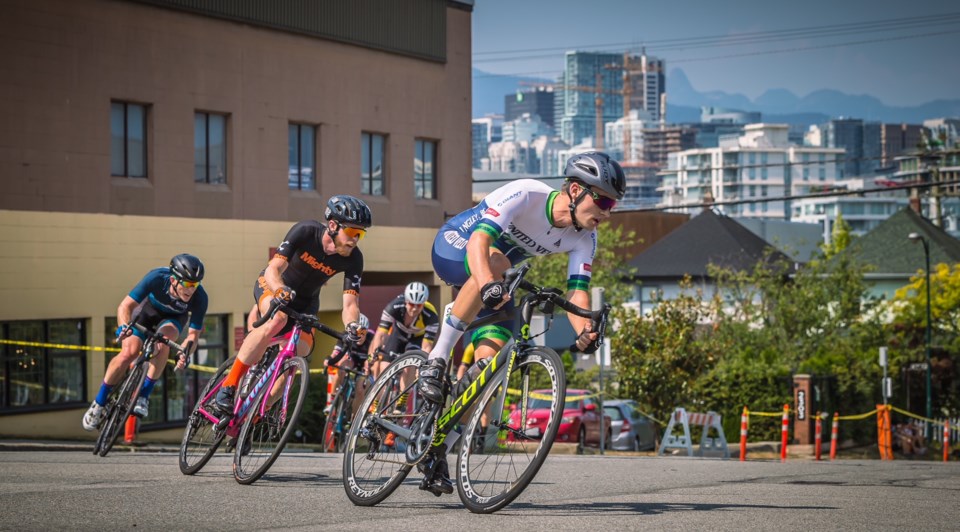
(425, 170)
(128, 139)
(175, 394)
(302, 161)
(372, 158)
(210, 148)
(40, 376)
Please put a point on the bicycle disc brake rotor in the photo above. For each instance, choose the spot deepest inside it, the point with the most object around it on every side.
(422, 430)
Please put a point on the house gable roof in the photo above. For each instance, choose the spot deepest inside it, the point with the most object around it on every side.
(709, 238)
(889, 250)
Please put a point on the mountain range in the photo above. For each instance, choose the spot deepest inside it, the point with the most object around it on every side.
(776, 105)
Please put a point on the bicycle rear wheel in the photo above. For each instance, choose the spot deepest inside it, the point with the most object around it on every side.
(119, 409)
(495, 464)
(200, 439)
(333, 426)
(262, 439)
(371, 468)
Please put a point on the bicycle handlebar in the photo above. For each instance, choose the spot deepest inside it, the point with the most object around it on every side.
(306, 321)
(546, 298)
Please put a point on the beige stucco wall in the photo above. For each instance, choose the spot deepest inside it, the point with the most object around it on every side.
(74, 265)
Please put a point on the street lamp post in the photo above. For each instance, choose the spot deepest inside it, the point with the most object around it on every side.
(926, 254)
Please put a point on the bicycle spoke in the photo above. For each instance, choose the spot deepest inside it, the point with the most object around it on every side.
(498, 461)
(263, 437)
(373, 465)
(200, 437)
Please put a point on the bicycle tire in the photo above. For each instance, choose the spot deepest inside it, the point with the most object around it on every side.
(268, 436)
(482, 471)
(120, 408)
(332, 441)
(200, 431)
(363, 456)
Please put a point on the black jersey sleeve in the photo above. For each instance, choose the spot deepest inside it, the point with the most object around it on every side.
(297, 237)
(353, 273)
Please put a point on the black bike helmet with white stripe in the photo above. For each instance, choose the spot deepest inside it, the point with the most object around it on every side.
(348, 210)
(598, 171)
(186, 267)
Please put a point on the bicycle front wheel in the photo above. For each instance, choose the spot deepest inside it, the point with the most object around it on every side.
(333, 426)
(373, 465)
(263, 437)
(116, 417)
(200, 440)
(497, 460)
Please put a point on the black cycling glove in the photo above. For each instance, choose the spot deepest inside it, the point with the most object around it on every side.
(493, 293)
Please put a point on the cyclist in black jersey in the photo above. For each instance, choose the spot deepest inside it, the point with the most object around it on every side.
(338, 358)
(310, 254)
(409, 321)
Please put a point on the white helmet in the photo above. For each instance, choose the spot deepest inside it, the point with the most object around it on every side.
(416, 293)
(363, 322)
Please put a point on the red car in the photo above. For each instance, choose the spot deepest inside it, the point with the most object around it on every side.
(580, 423)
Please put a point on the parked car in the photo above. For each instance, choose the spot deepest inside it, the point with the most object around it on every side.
(579, 424)
(632, 431)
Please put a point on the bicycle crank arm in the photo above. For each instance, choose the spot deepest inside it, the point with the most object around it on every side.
(401, 432)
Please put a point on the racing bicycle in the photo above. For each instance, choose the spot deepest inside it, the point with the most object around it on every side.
(124, 398)
(266, 410)
(513, 446)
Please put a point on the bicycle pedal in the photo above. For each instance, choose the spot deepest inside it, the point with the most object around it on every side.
(223, 423)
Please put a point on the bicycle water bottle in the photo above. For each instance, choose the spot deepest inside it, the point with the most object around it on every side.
(471, 375)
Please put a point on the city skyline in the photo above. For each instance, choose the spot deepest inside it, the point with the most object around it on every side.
(877, 48)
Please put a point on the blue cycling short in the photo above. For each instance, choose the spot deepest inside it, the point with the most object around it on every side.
(449, 256)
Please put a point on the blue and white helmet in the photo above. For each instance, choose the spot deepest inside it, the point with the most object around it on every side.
(416, 293)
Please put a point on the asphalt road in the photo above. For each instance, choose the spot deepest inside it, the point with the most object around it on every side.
(43, 490)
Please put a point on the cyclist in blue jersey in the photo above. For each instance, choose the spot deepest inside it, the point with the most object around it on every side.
(513, 223)
(165, 299)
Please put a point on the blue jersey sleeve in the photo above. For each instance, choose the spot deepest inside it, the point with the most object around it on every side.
(152, 282)
(198, 308)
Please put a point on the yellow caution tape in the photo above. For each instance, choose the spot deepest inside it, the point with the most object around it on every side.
(767, 414)
(857, 416)
(915, 416)
(62, 346)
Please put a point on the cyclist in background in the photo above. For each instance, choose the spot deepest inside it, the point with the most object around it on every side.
(357, 358)
(163, 300)
(408, 322)
(513, 223)
(310, 254)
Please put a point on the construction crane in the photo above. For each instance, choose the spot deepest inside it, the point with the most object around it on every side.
(597, 90)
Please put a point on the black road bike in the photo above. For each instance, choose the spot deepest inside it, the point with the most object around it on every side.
(124, 397)
(509, 450)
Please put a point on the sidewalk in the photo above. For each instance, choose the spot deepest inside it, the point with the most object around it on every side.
(84, 446)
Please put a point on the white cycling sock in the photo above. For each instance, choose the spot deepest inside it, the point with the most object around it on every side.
(450, 334)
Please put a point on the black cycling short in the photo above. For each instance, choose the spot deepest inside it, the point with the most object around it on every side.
(396, 344)
(150, 318)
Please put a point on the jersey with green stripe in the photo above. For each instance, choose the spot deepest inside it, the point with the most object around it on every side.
(519, 217)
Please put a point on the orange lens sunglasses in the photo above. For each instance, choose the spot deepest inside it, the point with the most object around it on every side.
(354, 232)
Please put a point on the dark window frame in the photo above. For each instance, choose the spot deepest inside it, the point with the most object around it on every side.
(421, 177)
(367, 180)
(6, 360)
(126, 140)
(206, 146)
(300, 166)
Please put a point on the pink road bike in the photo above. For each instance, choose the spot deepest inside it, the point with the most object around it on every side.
(269, 400)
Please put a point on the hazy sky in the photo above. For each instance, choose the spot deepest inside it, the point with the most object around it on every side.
(911, 61)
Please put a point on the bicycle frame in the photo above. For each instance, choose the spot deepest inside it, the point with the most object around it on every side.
(241, 409)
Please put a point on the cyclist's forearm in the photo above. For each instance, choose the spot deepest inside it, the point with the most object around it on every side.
(351, 309)
(125, 310)
(274, 273)
(478, 257)
(376, 342)
(581, 299)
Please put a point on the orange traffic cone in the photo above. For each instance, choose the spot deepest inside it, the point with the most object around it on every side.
(130, 430)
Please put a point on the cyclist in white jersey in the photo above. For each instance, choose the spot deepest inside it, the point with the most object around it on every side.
(513, 223)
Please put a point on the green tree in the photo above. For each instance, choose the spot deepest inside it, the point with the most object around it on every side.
(659, 358)
(609, 264)
(839, 238)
